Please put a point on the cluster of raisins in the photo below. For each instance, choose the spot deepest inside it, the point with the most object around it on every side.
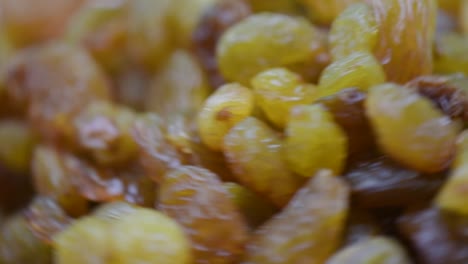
(233, 131)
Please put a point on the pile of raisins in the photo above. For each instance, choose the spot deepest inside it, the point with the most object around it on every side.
(233, 131)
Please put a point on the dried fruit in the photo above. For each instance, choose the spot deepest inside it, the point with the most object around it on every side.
(406, 34)
(410, 129)
(314, 141)
(217, 19)
(52, 178)
(359, 69)
(354, 30)
(278, 90)
(254, 154)
(263, 41)
(229, 105)
(16, 145)
(324, 12)
(196, 199)
(308, 230)
(141, 236)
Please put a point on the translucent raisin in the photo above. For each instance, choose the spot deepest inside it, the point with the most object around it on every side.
(196, 199)
(218, 18)
(263, 41)
(353, 30)
(46, 218)
(314, 141)
(254, 153)
(405, 51)
(308, 230)
(54, 82)
(359, 69)
(278, 90)
(410, 129)
(53, 179)
(229, 105)
(158, 154)
(103, 132)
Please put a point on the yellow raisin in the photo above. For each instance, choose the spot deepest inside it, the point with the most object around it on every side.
(308, 230)
(314, 141)
(254, 153)
(359, 69)
(451, 54)
(353, 30)
(410, 128)
(278, 90)
(406, 35)
(229, 105)
(263, 41)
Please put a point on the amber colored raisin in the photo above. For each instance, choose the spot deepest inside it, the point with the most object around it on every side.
(54, 82)
(53, 179)
(308, 230)
(94, 183)
(254, 153)
(197, 200)
(410, 129)
(103, 132)
(381, 182)
(448, 93)
(347, 108)
(222, 15)
(436, 237)
(406, 34)
(158, 155)
(46, 218)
